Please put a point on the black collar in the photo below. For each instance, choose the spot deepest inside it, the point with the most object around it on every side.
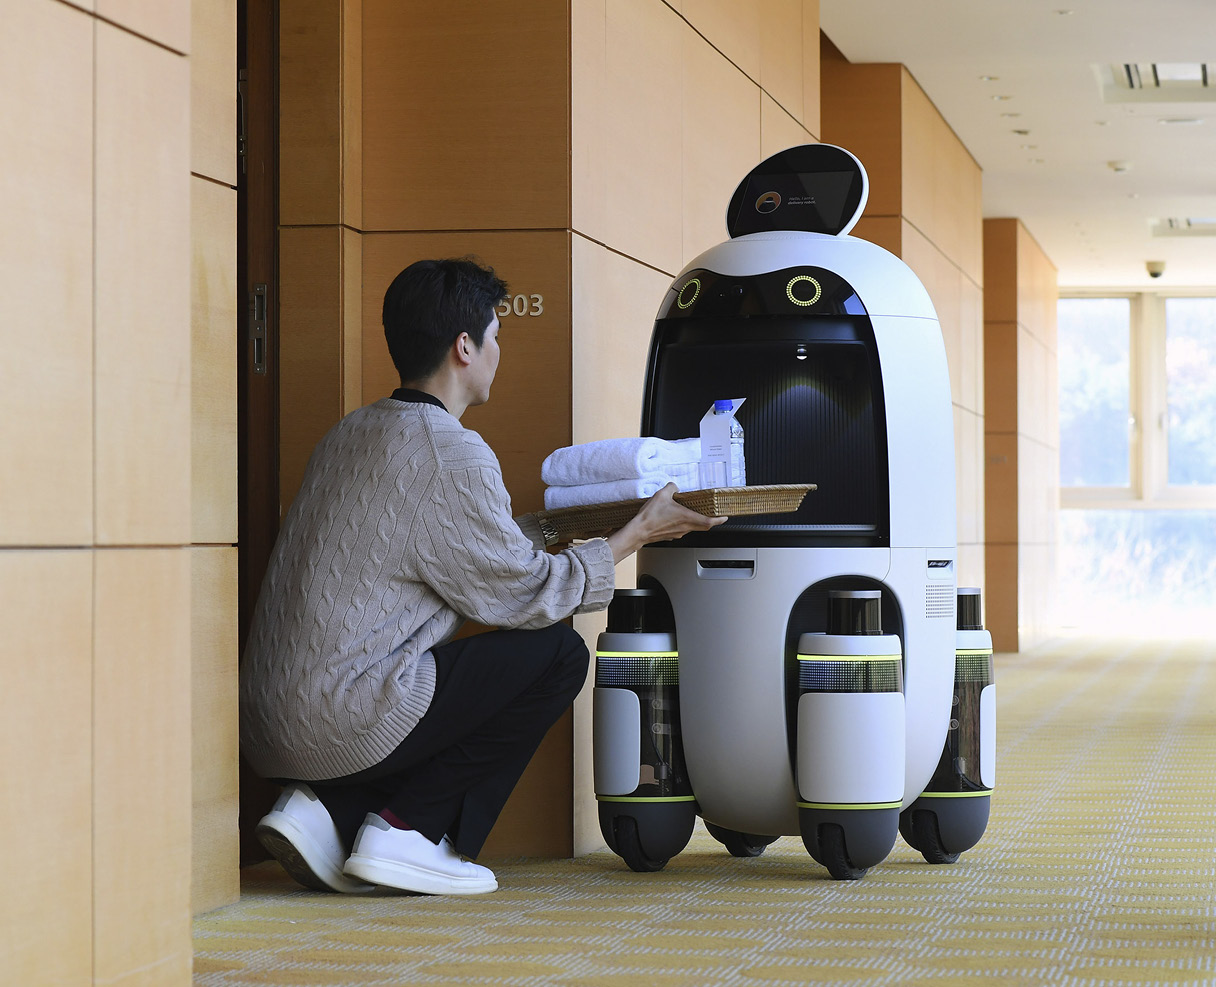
(416, 397)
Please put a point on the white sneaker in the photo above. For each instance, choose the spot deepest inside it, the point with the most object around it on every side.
(301, 836)
(404, 858)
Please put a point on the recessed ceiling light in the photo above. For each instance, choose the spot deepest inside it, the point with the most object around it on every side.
(989, 78)
(1180, 120)
(1119, 166)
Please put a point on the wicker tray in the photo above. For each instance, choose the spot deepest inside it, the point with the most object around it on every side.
(592, 520)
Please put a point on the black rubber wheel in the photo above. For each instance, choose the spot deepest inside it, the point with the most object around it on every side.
(928, 839)
(739, 844)
(630, 847)
(835, 859)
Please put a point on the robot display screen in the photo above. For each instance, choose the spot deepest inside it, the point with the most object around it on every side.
(809, 418)
(815, 202)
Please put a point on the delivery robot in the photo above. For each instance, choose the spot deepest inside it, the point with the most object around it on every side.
(808, 673)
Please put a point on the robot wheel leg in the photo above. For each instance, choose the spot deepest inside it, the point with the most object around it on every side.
(848, 842)
(740, 844)
(941, 829)
(646, 835)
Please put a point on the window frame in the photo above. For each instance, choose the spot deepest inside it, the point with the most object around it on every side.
(1148, 425)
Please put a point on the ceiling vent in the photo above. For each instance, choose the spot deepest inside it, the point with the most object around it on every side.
(1184, 227)
(1158, 82)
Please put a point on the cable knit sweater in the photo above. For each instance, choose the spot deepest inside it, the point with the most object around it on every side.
(401, 530)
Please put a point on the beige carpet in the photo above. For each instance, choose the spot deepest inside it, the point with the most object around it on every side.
(1098, 868)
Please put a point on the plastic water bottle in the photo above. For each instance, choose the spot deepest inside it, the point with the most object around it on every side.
(738, 465)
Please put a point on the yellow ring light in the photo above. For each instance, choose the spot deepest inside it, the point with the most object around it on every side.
(789, 290)
(696, 291)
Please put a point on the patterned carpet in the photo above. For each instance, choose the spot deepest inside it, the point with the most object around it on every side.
(1098, 868)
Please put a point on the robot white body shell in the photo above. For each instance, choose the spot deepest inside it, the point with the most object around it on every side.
(808, 676)
(731, 623)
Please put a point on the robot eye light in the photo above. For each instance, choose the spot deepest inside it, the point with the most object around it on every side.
(684, 299)
(798, 279)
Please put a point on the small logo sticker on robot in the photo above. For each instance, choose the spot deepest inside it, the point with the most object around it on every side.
(768, 202)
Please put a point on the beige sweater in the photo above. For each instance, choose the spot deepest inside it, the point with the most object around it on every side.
(401, 530)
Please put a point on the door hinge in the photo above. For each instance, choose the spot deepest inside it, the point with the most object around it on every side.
(257, 327)
(242, 80)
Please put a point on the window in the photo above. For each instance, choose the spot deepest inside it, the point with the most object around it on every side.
(1137, 461)
(1137, 401)
(1190, 385)
(1095, 392)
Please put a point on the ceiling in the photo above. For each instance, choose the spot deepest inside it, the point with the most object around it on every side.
(1048, 60)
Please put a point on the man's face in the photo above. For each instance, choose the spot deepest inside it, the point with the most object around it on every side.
(485, 364)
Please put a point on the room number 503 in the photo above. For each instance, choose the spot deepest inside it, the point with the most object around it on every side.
(521, 305)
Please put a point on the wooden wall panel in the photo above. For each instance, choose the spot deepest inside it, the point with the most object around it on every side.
(310, 112)
(215, 876)
(46, 652)
(141, 750)
(1001, 578)
(861, 111)
(352, 321)
(971, 302)
(615, 304)
(1000, 259)
(781, 62)
(973, 568)
(213, 363)
(46, 275)
(626, 141)
(522, 422)
(1001, 377)
(212, 89)
(142, 237)
(1023, 423)
(1037, 289)
(467, 124)
(778, 130)
(352, 113)
(730, 27)
(166, 22)
(921, 158)
(1001, 510)
(924, 206)
(942, 182)
(811, 68)
(886, 231)
(968, 476)
(310, 346)
(712, 167)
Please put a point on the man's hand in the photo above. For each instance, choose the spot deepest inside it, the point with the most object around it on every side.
(660, 519)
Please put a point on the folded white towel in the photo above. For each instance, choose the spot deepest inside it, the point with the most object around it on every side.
(685, 478)
(617, 459)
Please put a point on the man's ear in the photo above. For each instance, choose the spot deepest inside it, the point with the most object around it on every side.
(463, 348)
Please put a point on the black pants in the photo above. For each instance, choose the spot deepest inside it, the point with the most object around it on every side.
(496, 695)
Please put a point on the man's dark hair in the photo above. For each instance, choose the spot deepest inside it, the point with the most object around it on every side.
(430, 304)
